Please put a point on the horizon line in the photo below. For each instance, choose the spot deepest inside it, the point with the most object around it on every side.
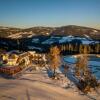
(25, 27)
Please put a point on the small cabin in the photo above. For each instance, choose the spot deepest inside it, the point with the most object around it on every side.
(12, 59)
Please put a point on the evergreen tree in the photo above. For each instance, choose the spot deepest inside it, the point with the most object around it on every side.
(54, 59)
(97, 48)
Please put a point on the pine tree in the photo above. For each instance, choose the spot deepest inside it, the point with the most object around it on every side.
(82, 72)
(54, 59)
(81, 49)
(97, 48)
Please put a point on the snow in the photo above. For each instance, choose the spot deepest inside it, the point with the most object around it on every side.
(65, 39)
(36, 40)
(88, 37)
(51, 40)
(69, 59)
(36, 85)
(95, 68)
(94, 64)
(14, 51)
(32, 47)
(87, 42)
(57, 37)
(95, 31)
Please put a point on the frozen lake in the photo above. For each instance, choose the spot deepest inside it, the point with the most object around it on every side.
(94, 64)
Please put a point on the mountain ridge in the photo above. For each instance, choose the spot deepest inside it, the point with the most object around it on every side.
(9, 32)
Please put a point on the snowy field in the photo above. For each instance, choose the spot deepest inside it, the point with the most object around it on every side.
(36, 85)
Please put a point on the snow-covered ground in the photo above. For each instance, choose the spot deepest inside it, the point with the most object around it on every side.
(36, 85)
(51, 40)
(85, 40)
(33, 47)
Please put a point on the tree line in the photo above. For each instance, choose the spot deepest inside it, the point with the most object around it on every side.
(80, 48)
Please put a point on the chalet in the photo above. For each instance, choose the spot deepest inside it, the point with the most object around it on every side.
(12, 59)
(24, 59)
(4, 56)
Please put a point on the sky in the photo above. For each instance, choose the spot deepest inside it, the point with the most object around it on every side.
(30, 13)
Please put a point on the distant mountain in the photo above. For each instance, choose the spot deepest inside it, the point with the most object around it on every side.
(77, 31)
(74, 30)
(6, 31)
(40, 30)
(9, 32)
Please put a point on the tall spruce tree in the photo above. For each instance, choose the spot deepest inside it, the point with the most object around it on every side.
(54, 59)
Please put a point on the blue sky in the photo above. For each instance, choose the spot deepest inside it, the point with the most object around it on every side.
(29, 13)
